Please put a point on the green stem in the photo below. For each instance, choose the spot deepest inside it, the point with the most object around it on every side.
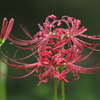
(55, 88)
(3, 69)
(62, 90)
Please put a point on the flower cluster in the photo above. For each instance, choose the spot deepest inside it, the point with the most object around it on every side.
(56, 49)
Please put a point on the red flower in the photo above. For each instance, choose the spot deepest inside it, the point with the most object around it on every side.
(56, 48)
(6, 29)
(50, 63)
(58, 37)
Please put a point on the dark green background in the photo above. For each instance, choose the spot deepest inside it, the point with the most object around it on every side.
(31, 12)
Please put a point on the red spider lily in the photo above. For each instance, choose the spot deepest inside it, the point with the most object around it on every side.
(58, 37)
(49, 64)
(51, 56)
(6, 29)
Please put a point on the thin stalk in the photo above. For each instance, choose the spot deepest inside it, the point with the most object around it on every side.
(55, 88)
(3, 69)
(62, 90)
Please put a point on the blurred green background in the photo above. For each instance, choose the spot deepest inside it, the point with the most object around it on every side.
(31, 12)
